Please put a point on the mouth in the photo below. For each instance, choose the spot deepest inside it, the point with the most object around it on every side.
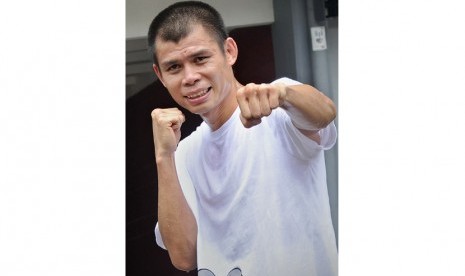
(198, 94)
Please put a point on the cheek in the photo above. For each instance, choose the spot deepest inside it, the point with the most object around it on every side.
(174, 91)
(173, 84)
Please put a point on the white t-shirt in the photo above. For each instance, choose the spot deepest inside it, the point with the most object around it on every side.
(260, 198)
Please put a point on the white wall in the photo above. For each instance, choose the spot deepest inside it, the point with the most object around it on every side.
(140, 13)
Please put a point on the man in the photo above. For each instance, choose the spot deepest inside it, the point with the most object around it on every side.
(245, 194)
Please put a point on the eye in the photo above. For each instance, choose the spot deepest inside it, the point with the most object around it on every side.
(200, 59)
(173, 67)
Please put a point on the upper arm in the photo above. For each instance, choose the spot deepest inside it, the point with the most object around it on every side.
(311, 134)
(302, 144)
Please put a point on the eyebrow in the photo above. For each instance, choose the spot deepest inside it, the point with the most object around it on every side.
(201, 52)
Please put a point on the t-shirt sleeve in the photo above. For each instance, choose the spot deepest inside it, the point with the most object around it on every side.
(297, 143)
(293, 140)
(186, 186)
(286, 81)
(158, 237)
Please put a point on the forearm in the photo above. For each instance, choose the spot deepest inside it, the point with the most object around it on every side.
(176, 221)
(308, 108)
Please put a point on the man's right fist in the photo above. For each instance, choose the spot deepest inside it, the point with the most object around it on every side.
(166, 125)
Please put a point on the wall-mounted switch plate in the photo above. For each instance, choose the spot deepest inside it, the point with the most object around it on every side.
(318, 38)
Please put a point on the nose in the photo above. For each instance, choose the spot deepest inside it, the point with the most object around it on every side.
(191, 76)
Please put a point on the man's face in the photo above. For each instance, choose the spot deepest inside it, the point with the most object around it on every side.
(196, 72)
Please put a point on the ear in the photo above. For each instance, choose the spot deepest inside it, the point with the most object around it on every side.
(158, 73)
(231, 50)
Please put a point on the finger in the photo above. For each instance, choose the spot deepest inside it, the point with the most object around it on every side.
(155, 113)
(174, 117)
(171, 117)
(264, 100)
(177, 120)
(250, 96)
(254, 105)
(248, 123)
(163, 112)
(243, 102)
(273, 99)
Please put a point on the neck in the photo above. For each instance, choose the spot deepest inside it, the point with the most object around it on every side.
(216, 118)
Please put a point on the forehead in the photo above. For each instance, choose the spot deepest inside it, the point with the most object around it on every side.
(197, 39)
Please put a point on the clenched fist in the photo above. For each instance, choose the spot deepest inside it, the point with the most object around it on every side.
(166, 124)
(258, 100)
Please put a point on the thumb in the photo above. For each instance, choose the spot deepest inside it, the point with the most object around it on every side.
(177, 122)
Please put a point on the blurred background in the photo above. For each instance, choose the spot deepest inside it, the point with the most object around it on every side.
(293, 38)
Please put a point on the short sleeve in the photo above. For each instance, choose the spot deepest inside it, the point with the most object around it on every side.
(286, 81)
(158, 238)
(293, 140)
(297, 143)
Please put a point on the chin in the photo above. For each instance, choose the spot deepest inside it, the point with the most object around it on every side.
(199, 110)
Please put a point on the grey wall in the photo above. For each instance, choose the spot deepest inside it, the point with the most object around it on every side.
(237, 13)
(294, 58)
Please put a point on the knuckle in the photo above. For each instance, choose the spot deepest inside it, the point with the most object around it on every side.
(240, 95)
(263, 88)
(246, 115)
(250, 86)
(159, 120)
(274, 105)
(155, 113)
(256, 115)
(267, 112)
(249, 89)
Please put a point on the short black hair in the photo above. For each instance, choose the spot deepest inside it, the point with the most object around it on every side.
(175, 23)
